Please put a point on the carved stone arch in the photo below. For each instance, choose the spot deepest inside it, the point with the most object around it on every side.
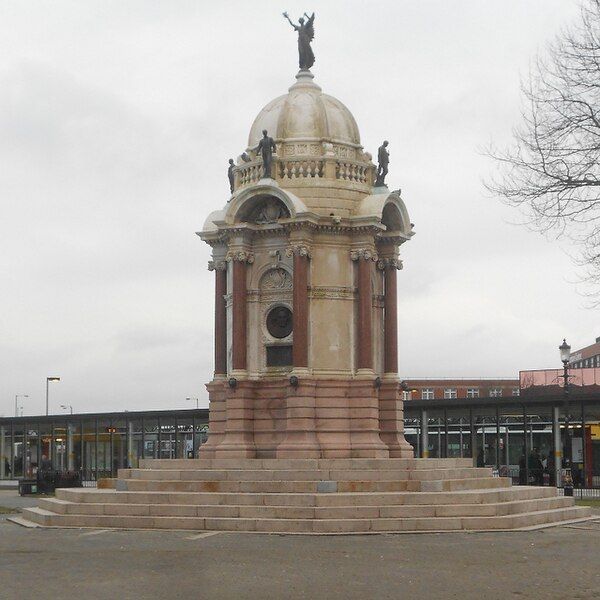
(262, 270)
(246, 199)
(392, 218)
(263, 209)
(276, 278)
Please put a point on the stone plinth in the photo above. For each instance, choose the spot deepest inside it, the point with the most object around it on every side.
(317, 418)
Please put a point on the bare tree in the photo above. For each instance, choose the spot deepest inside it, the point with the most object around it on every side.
(552, 172)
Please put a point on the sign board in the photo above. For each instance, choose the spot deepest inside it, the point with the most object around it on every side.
(577, 449)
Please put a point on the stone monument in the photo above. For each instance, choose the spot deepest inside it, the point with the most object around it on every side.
(306, 422)
(305, 256)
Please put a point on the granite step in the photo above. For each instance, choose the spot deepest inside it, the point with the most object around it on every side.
(92, 495)
(294, 512)
(305, 463)
(279, 525)
(293, 486)
(304, 475)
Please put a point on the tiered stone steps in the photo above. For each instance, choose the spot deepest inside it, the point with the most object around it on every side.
(308, 496)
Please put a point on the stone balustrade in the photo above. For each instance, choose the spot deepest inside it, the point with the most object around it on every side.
(287, 169)
(248, 173)
(349, 170)
(299, 168)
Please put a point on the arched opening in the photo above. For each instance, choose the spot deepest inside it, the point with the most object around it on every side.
(262, 209)
(391, 218)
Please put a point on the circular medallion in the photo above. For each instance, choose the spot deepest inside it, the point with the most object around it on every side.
(279, 322)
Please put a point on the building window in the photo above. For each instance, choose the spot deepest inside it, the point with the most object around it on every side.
(472, 392)
(495, 392)
(427, 394)
(516, 392)
(450, 393)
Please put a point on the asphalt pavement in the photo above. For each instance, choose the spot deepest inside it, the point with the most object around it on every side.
(562, 562)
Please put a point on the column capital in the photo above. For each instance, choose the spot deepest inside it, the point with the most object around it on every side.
(217, 265)
(240, 256)
(299, 250)
(364, 254)
(389, 263)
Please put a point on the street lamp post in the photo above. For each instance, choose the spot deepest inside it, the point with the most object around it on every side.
(17, 396)
(67, 407)
(48, 380)
(191, 399)
(565, 356)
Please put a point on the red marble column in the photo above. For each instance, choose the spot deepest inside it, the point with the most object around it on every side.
(365, 314)
(390, 320)
(239, 314)
(220, 320)
(300, 314)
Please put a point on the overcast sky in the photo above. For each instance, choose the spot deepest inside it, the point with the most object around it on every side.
(116, 122)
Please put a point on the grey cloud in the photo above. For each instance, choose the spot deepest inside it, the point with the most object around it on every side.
(116, 123)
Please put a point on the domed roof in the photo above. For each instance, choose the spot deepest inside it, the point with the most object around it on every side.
(305, 114)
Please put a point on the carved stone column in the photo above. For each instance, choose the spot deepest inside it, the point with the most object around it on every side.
(300, 439)
(238, 438)
(301, 254)
(364, 340)
(391, 407)
(239, 259)
(220, 269)
(389, 266)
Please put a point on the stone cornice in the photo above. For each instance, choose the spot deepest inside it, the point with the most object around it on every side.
(333, 292)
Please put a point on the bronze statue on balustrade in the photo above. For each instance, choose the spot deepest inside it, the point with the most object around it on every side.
(266, 147)
(383, 158)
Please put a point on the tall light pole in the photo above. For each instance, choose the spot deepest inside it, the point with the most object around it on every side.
(67, 407)
(48, 380)
(191, 399)
(17, 396)
(565, 356)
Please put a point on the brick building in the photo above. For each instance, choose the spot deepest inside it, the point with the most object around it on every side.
(438, 389)
(586, 357)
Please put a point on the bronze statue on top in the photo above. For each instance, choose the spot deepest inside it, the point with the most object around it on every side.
(306, 34)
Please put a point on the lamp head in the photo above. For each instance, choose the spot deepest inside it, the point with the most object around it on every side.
(565, 352)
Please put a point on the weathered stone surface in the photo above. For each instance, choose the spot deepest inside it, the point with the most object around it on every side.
(308, 496)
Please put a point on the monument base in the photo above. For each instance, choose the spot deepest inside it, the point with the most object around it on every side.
(317, 418)
(310, 496)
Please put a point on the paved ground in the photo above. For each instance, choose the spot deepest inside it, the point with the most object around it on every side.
(11, 499)
(100, 564)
